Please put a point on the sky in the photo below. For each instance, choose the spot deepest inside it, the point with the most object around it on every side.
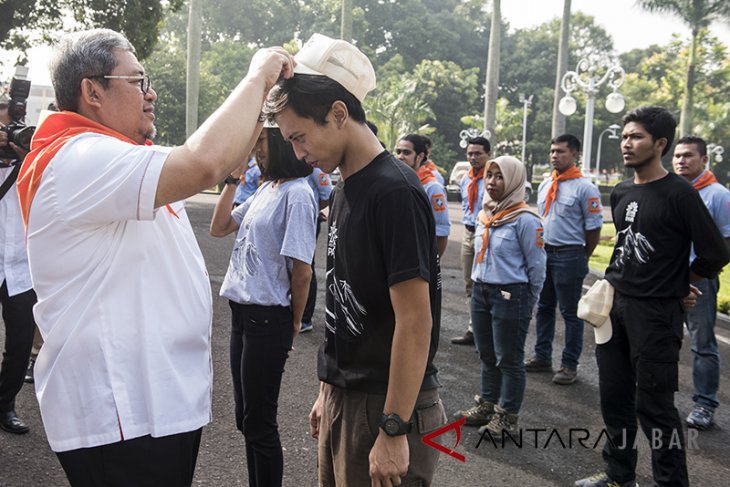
(629, 26)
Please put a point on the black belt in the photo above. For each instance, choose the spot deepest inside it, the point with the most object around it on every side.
(563, 248)
(471, 228)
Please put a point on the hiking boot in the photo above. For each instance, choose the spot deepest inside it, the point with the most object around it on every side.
(478, 415)
(537, 365)
(565, 376)
(700, 418)
(603, 480)
(501, 421)
(466, 339)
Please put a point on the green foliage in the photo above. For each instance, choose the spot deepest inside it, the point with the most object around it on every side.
(139, 20)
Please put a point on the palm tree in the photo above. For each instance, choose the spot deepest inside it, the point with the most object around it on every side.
(562, 67)
(346, 25)
(697, 14)
(492, 82)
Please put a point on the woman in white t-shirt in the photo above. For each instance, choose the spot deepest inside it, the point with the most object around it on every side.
(267, 285)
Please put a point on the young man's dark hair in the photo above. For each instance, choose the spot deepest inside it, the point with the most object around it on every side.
(569, 139)
(420, 146)
(372, 127)
(698, 141)
(658, 121)
(483, 141)
(281, 163)
(312, 96)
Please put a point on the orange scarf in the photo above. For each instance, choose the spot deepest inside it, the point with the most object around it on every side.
(49, 138)
(474, 186)
(429, 164)
(425, 175)
(705, 180)
(488, 222)
(572, 173)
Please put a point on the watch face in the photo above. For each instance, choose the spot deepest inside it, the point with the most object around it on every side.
(391, 427)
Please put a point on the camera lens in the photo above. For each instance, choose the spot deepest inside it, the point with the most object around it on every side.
(22, 137)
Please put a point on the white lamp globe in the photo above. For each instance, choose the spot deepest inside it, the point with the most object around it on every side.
(463, 144)
(567, 105)
(615, 102)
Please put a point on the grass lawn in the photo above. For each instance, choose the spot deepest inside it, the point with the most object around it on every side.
(602, 254)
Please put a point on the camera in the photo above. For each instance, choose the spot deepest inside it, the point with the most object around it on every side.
(18, 132)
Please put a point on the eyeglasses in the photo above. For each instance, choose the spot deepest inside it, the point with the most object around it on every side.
(144, 80)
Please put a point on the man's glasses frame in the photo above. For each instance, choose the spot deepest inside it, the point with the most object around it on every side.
(144, 80)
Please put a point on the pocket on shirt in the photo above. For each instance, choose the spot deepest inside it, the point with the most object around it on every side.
(502, 243)
(565, 204)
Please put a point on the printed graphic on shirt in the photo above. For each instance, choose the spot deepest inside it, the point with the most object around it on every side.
(632, 245)
(245, 259)
(324, 180)
(540, 240)
(348, 310)
(438, 202)
(594, 205)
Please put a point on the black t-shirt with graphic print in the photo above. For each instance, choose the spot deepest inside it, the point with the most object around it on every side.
(381, 232)
(655, 225)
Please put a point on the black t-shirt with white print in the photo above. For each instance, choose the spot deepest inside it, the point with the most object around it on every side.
(655, 224)
(381, 232)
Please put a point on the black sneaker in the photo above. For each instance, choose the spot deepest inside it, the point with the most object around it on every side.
(29, 372)
(603, 480)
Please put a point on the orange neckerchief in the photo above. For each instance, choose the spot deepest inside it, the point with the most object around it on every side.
(572, 173)
(487, 222)
(49, 138)
(429, 164)
(705, 180)
(474, 186)
(425, 174)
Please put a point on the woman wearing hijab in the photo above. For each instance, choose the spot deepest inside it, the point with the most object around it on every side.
(508, 274)
(267, 284)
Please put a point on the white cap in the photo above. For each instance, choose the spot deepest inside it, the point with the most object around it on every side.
(595, 308)
(338, 60)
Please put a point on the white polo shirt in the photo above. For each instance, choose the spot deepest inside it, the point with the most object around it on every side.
(13, 257)
(124, 300)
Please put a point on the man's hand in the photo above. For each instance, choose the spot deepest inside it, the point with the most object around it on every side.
(389, 460)
(315, 416)
(271, 63)
(690, 300)
(19, 151)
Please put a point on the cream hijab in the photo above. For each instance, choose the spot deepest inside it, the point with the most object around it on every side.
(514, 175)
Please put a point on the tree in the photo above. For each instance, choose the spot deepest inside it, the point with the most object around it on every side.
(492, 78)
(561, 68)
(697, 14)
(138, 20)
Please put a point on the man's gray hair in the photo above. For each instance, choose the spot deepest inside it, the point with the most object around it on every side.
(82, 55)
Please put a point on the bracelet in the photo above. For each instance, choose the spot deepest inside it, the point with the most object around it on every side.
(231, 180)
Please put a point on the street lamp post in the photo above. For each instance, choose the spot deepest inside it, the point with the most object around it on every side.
(614, 135)
(714, 151)
(572, 80)
(526, 102)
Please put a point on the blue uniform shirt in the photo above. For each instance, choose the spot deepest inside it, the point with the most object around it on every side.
(470, 217)
(515, 254)
(437, 197)
(717, 200)
(576, 209)
(249, 184)
(321, 184)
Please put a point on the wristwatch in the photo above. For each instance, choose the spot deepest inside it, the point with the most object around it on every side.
(393, 425)
(231, 180)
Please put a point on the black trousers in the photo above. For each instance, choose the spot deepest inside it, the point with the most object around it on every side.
(19, 331)
(638, 376)
(261, 337)
(145, 461)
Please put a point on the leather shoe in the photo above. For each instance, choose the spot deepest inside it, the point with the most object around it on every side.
(11, 423)
(466, 339)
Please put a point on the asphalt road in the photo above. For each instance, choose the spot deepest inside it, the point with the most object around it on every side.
(551, 417)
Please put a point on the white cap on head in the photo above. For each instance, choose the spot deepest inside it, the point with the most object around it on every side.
(338, 60)
(595, 308)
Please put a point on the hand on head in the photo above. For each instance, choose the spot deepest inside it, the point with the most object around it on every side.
(272, 63)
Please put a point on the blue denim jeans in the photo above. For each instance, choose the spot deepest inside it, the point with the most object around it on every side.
(501, 317)
(563, 281)
(701, 325)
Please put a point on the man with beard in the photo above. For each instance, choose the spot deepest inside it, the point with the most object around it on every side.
(658, 216)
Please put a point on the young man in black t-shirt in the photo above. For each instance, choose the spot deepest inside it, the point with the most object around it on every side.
(378, 394)
(657, 217)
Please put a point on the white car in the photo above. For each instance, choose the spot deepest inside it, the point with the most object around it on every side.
(453, 189)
